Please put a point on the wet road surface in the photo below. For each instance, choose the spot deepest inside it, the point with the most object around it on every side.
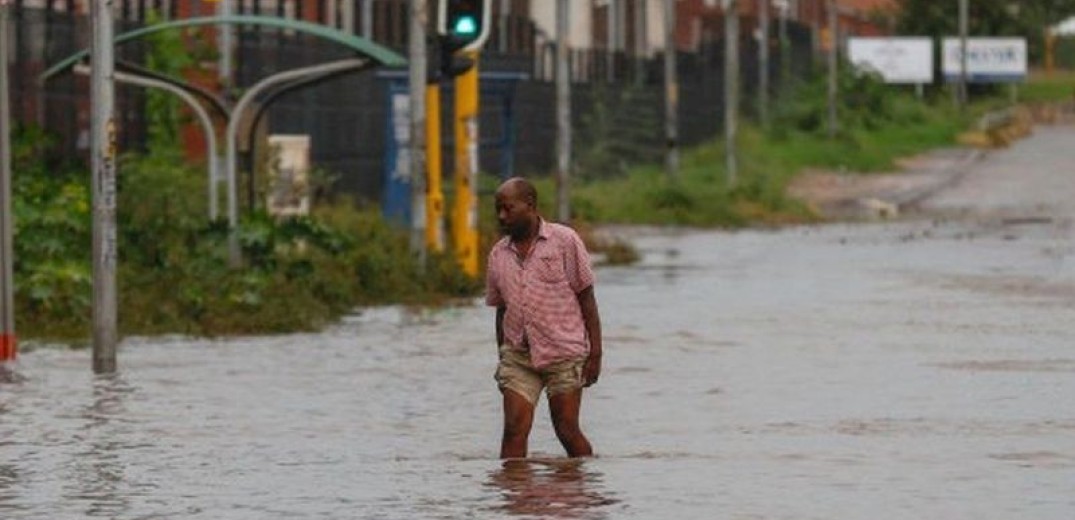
(923, 368)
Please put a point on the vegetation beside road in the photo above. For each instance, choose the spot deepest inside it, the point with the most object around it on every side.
(878, 124)
(298, 273)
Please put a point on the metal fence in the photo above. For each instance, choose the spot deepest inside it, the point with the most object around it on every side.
(617, 99)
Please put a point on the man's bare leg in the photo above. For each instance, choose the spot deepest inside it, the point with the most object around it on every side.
(518, 418)
(565, 420)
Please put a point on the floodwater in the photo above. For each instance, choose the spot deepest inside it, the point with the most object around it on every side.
(903, 370)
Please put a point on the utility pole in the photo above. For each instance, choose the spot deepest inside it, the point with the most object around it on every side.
(8, 345)
(563, 113)
(103, 157)
(834, 39)
(417, 60)
(671, 93)
(961, 92)
(763, 62)
(731, 88)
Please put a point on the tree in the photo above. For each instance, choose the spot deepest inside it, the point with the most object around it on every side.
(1027, 18)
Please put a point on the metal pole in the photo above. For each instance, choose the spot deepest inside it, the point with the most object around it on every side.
(417, 87)
(435, 198)
(8, 346)
(834, 39)
(203, 118)
(961, 93)
(231, 135)
(763, 62)
(367, 19)
(785, 46)
(502, 41)
(467, 139)
(563, 113)
(347, 11)
(641, 41)
(731, 88)
(103, 157)
(671, 92)
(225, 8)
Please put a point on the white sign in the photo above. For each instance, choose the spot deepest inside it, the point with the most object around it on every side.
(989, 60)
(289, 192)
(897, 60)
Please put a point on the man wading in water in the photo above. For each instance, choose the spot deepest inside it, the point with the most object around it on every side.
(547, 326)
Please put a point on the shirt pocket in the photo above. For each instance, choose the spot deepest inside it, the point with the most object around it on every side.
(550, 269)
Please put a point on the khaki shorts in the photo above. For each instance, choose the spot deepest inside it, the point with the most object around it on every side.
(516, 373)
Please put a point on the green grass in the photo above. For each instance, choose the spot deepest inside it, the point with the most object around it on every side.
(1045, 88)
(767, 162)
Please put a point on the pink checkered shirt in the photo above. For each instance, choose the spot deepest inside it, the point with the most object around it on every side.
(539, 293)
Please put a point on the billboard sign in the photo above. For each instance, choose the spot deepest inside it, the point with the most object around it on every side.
(897, 60)
(989, 60)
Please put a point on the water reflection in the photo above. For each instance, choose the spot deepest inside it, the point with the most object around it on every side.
(99, 467)
(551, 488)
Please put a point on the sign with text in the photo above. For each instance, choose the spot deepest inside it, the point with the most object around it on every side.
(896, 60)
(989, 60)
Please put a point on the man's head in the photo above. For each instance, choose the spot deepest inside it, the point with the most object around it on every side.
(516, 207)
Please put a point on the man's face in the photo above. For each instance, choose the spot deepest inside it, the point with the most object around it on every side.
(513, 214)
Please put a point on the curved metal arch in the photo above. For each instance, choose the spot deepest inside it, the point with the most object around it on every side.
(379, 54)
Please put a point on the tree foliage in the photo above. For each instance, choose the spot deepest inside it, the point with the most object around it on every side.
(1028, 18)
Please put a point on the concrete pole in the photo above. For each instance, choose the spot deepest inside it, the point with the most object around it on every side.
(417, 88)
(103, 157)
(763, 62)
(671, 92)
(834, 45)
(7, 250)
(731, 89)
(563, 113)
(961, 91)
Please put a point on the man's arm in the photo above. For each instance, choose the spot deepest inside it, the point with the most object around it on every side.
(592, 321)
(500, 324)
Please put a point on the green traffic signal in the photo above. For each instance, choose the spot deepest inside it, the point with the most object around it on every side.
(465, 26)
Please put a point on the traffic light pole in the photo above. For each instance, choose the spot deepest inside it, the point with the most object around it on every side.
(465, 211)
(435, 191)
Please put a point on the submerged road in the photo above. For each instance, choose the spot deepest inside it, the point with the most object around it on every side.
(919, 368)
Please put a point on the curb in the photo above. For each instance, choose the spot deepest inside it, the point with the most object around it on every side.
(947, 177)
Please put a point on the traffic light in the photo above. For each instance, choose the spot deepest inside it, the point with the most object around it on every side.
(463, 23)
(442, 63)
